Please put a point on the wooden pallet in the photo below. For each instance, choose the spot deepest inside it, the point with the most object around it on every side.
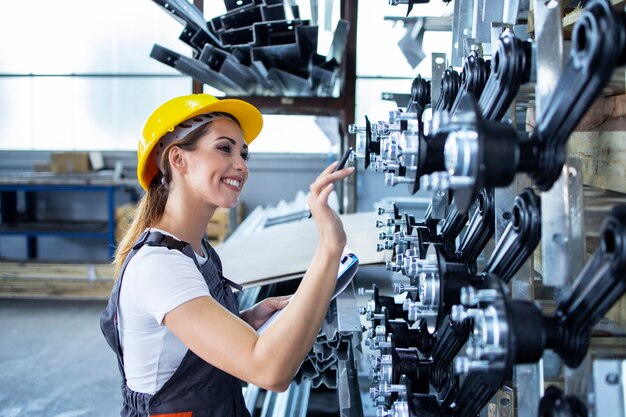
(56, 280)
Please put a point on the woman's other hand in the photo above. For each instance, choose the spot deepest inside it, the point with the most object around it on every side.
(258, 314)
(328, 223)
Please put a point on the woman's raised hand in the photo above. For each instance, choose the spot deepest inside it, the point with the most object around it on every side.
(328, 223)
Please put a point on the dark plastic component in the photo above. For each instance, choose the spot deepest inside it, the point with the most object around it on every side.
(451, 339)
(412, 2)
(404, 336)
(452, 227)
(479, 230)
(497, 156)
(473, 78)
(555, 403)
(478, 387)
(450, 84)
(430, 158)
(425, 405)
(510, 68)
(394, 310)
(420, 96)
(528, 332)
(598, 47)
(520, 238)
(598, 286)
(370, 146)
(406, 361)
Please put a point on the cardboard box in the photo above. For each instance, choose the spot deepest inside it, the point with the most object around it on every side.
(70, 162)
(123, 218)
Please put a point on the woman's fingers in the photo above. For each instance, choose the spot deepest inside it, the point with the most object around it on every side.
(323, 197)
(323, 180)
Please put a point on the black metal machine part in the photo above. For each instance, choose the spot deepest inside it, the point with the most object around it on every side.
(523, 332)
(442, 289)
(485, 153)
(450, 85)
(473, 77)
(555, 403)
(451, 336)
(480, 229)
(510, 68)
(451, 228)
(598, 47)
(520, 238)
(378, 302)
(420, 96)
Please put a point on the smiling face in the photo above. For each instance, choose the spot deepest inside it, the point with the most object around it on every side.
(216, 170)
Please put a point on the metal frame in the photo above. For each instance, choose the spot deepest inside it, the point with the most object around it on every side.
(33, 232)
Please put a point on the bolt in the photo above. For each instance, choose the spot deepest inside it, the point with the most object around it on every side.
(437, 181)
(418, 312)
(371, 316)
(612, 378)
(379, 224)
(459, 313)
(380, 344)
(362, 310)
(381, 411)
(380, 247)
(365, 291)
(354, 129)
(471, 297)
(391, 179)
(401, 237)
(374, 375)
(373, 360)
(463, 365)
(400, 409)
(401, 288)
(386, 388)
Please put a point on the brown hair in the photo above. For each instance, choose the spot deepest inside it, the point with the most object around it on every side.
(152, 205)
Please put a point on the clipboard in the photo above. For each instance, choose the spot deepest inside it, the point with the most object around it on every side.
(348, 267)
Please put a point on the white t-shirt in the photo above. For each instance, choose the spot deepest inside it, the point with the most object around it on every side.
(156, 281)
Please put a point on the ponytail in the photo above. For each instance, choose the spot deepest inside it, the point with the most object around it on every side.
(151, 206)
(148, 212)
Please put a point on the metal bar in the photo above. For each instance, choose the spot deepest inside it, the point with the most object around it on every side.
(348, 389)
(111, 221)
(439, 64)
(461, 29)
(609, 387)
(251, 396)
(349, 12)
(197, 87)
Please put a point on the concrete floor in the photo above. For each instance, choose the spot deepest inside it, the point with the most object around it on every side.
(54, 361)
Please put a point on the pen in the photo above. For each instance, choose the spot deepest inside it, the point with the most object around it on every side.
(340, 165)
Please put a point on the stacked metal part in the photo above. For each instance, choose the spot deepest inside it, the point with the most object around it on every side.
(258, 47)
(457, 335)
(331, 346)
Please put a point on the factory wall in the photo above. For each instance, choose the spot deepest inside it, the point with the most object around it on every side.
(273, 177)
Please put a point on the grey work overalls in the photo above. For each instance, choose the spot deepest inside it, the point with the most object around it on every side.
(196, 389)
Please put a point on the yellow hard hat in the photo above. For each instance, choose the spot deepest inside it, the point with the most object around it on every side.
(175, 111)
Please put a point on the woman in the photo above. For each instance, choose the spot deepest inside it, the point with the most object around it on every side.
(172, 319)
